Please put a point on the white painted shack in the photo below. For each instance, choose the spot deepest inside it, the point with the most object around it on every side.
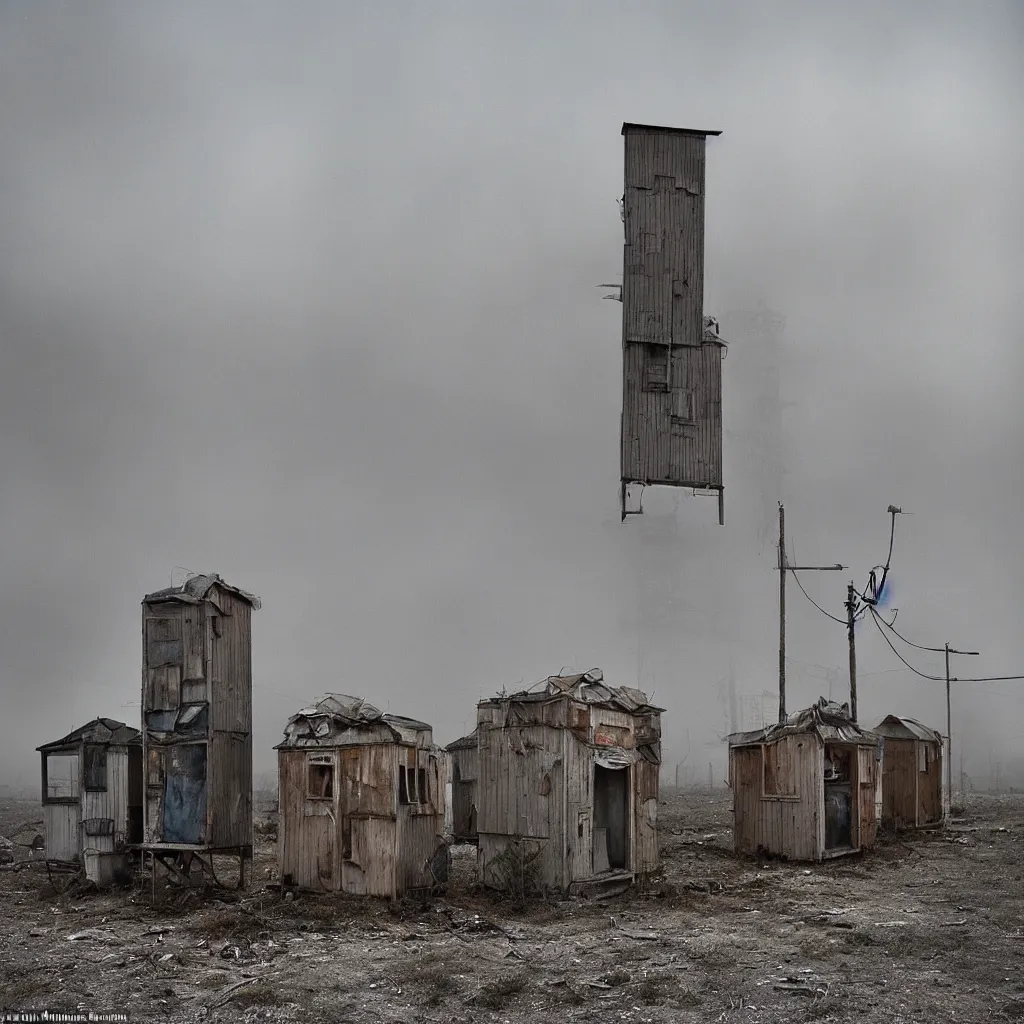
(465, 767)
(92, 797)
(361, 801)
(807, 789)
(567, 785)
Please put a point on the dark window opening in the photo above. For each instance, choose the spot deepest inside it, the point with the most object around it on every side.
(403, 786)
(95, 769)
(421, 786)
(321, 781)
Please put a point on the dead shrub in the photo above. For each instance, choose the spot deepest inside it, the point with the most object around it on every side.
(260, 994)
(226, 924)
(617, 976)
(500, 993)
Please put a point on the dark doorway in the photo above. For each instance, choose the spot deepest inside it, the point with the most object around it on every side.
(185, 794)
(611, 810)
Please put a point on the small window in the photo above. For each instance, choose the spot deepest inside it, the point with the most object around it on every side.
(682, 406)
(62, 777)
(403, 786)
(922, 757)
(412, 785)
(321, 781)
(421, 787)
(215, 624)
(95, 769)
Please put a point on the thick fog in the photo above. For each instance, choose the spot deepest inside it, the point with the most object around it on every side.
(305, 295)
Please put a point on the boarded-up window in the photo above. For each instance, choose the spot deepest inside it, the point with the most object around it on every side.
(656, 368)
(779, 770)
(62, 777)
(321, 782)
(922, 757)
(95, 774)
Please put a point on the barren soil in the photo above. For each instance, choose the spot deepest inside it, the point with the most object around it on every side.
(929, 927)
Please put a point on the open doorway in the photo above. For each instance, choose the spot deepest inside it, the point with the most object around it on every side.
(611, 816)
(839, 804)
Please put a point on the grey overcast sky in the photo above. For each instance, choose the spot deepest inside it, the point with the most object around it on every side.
(304, 294)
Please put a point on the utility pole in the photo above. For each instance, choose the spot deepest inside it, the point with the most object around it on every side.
(949, 726)
(851, 607)
(783, 566)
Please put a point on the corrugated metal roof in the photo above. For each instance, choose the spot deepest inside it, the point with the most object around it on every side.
(588, 687)
(337, 716)
(99, 730)
(195, 589)
(898, 728)
(827, 719)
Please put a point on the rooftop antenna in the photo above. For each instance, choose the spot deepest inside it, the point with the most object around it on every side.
(616, 295)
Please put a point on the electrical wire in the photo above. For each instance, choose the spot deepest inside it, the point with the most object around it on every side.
(910, 643)
(879, 621)
(811, 599)
(935, 679)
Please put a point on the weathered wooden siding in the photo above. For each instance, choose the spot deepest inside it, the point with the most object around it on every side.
(230, 662)
(866, 827)
(579, 812)
(672, 390)
(521, 794)
(790, 825)
(899, 783)
(307, 829)
(196, 654)
(112, 805)
(229, 790)
(930, 786)
(465, 768)
(674, 436)
(61, 831)
(663, 275)
(361, 841)
(644, 856)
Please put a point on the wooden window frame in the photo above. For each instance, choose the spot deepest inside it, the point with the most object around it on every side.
(321, 765)
(776, 797)
(99, 750)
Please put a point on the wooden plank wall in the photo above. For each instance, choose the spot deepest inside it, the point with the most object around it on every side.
(899, 783)
(785, 826)
(521, 792)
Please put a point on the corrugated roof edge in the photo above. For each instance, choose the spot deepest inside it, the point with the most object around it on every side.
(632, 126)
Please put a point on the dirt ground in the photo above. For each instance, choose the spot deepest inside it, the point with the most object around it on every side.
(928, 927)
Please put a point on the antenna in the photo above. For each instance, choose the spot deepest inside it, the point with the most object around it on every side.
(616, 296)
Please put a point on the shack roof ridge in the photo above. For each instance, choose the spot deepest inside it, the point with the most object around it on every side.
(195, 589)
(121, 734)
(633, 126)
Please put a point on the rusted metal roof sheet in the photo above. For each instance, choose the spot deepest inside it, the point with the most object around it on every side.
(896, 728)
(340, 720)
(830, 721)
(586, 687)
(195, 589)
(99, 730)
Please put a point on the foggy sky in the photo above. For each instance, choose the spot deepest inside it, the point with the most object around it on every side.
(304, 294)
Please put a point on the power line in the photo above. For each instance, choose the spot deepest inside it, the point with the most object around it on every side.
(815, 603)
(879, 622)
(935, 679)
(910, 643)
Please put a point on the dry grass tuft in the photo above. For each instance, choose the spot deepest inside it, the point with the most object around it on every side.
(260, 994)
(226, 924)
(500, 993)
